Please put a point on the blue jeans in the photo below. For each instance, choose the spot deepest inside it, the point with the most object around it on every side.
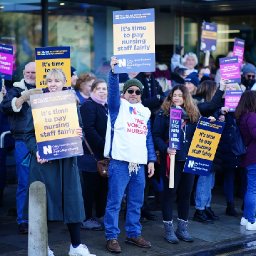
(22, 173)
(120, 181)
(204, 187)
(250, 195)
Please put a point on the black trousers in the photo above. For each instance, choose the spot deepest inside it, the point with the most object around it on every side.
(95, 194)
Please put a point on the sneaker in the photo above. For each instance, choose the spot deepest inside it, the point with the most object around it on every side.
(50, 252)
(91, 224)
(81, 250)
(243, 221)
(251, 226)
(23, 228)
(138, 241)
(113, 246)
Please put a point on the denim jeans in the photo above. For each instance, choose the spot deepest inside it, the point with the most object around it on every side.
(119, 181)
(22, 173)
(204, 187)
(250, 195)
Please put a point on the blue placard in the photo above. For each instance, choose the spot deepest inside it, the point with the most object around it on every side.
(209, 36)
(175, 128)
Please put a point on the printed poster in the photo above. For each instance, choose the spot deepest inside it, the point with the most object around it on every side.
(238, 49)
(232, 99)
(56, 120)
(6, 61)
(175, 128)
(209, 36)
(230, 69)
(203, 147)
(48, 58)
(134, 40)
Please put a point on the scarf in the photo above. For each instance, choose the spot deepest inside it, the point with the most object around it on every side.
(97, 99)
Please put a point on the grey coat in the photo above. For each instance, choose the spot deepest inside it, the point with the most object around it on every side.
(62, 181)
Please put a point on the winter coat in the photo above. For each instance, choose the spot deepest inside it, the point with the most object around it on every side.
(62, 181)
(247, 125)
(161, 138)
(17, 117)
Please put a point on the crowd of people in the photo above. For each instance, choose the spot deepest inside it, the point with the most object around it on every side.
(126, 120)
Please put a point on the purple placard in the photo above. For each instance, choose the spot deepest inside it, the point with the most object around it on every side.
(208, 36)
(230, 69)
(232, 99)
(6, 61)
(175, 128)
(238, 49)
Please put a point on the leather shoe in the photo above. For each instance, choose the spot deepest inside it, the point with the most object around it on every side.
(201, 216)
(138, 241)
(210, 213)
(23, 228)
(148, 215)
(113, 246)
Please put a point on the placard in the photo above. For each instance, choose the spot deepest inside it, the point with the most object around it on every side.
(48, 58)
(134, 40)
(203, 146)
(238, 49)
(232, 99)
(175, 128)
(56, 120)
(230, 69)
(208, 36)
(6, 61)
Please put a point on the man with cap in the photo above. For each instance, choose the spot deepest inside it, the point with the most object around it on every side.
(248, 76)
(191, 82)
(129, 144)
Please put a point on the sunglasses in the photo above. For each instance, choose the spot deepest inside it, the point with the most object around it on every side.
(251, 76)
(137, 92)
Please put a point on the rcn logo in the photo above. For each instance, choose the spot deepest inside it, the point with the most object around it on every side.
(47, 149)
(121, 63)
(191, 163)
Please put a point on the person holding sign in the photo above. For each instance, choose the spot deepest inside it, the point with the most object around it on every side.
(246, 119)
(61, 178)
(183, 182)
(130, 145)
(15, 106)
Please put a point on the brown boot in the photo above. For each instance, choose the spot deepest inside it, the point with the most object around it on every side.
(138, 241)
(113, 246)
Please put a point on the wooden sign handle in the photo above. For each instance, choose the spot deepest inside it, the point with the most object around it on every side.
(171, 174)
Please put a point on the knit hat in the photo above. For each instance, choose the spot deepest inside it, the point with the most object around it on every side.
(132, 82)
(73, 71)
(248, 68)
(192, 78)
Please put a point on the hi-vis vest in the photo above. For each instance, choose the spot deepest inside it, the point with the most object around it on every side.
(130, 134)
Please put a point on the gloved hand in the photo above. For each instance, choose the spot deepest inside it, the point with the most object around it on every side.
(25, 95)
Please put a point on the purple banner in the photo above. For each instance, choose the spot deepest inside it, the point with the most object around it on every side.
(6, 61)
(209, 36)
(232, 99)
(230, 69)
(238, 49)
(175, 128)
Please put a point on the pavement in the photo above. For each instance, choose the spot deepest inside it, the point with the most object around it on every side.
(210, 239)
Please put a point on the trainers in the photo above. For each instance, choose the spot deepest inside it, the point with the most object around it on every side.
(23, 228)
(81, 250)
(113, 246)
(50, 252)
(138, 241)
(91, 224)
(251, 226)
(243, 221)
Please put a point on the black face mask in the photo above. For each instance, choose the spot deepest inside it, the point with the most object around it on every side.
(248, 83)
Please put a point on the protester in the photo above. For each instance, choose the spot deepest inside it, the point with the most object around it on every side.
(246, 118)
(208, 98)
(61, 178)
(191, 82)
(94, 113)
(15, 106)
(130, 148)
(183, 182)
(248, 76)
(83, 86)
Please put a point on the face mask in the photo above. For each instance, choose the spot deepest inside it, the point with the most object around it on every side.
(248, 83)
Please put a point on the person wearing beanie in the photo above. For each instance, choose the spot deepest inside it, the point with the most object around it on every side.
(129, 145)
(248, 76)
(191, 82)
